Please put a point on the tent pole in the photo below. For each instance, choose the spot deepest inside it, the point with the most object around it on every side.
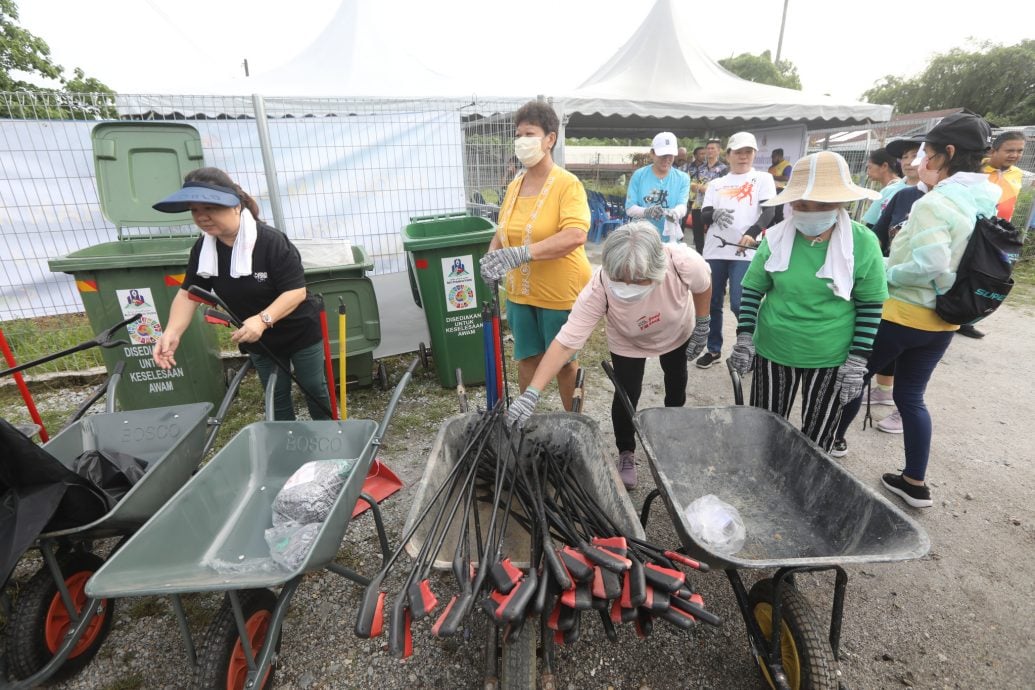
(268, 164)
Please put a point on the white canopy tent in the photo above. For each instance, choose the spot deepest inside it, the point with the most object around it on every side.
(661, 79)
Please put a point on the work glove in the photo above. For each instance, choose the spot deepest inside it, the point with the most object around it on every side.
(522, 408)
(699, 337)
(672, 215)
(723, 217)
(495, 264)
(654, 211)
(743, 353)
(850, 378)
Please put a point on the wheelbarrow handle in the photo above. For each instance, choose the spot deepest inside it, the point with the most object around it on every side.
(738, 388)
(394, 401)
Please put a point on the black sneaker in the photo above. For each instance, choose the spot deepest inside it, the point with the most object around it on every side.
(969, 331)
(916, 496)
(839, 449)
(708, 359)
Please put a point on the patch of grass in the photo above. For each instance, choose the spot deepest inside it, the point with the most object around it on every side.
(34, 338)
(131, 682)
(147, 608)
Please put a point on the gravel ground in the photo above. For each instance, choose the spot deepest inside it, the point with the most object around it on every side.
(957, 618)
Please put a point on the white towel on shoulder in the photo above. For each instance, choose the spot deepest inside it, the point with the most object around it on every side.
(839, 267)
(240, 256)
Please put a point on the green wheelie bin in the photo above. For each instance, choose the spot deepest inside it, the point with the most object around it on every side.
(136, 164)
(444, 255)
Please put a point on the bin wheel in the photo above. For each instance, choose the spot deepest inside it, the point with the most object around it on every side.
(425, 355)
(517, 661)
(382, 376)
(39, 620)
(221, 660)
(808, 661)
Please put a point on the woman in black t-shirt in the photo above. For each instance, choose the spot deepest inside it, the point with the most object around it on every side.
(256, 270)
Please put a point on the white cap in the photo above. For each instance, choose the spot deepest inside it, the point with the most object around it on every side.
(742, 140)
(665, 144)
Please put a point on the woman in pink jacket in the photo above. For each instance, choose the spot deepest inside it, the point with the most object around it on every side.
(649, 293)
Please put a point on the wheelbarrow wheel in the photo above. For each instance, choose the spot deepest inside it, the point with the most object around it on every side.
(808, 661)
(40, 620)
(517, 661)
(221, 661)
(425, 355)
(382, 376)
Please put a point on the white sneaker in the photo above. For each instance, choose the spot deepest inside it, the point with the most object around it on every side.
(881, 397)
(892, 424)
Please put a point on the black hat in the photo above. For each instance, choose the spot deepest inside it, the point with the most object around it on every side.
(965, 131)
(898, 147)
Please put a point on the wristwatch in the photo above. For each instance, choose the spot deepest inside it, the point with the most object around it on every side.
(266, 319)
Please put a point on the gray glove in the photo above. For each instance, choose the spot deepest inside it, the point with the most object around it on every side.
(743, 353)
(654, 211)
(495, 264)
(699, 337)
(672, 215)
(850, 378)
(522, 408)
(723, 217)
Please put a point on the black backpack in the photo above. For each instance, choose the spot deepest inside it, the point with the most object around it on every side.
(983, 277)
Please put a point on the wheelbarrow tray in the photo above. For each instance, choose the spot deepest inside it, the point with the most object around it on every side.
(170, 439)
(580, 433)
(210, 535)
(800, 507)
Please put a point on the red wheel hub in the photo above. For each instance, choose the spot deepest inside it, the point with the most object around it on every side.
(237, 670)
(58, 620)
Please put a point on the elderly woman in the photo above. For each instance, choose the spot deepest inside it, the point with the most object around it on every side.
(538, 246)
(811, 299)
(922, 264)
(256, 270)
(649, 294)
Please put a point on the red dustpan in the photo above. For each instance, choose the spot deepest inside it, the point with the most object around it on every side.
(380, 482)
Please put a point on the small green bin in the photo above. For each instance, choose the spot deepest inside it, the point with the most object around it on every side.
(444, 254)
(142, 276)
(328, 275)
(137, 164)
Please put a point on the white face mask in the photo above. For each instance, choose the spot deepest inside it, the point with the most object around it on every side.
(814, 223)
(630, 292)
(529, 150)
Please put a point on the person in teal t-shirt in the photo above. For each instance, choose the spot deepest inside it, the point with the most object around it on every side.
(884, 169)
(659, 192)
(812, 300)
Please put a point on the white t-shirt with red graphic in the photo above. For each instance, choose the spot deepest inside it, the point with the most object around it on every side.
(740, 193)
(649, 327)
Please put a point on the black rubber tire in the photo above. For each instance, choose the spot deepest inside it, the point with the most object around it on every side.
(809, 647)
(517, 660)
(221, 637)
(382, 376)
(27, 649)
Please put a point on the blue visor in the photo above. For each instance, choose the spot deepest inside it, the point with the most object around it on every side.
(197, 193)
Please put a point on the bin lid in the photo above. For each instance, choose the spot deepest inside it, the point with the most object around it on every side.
(452, 230)
(135, 253)
(139, 163)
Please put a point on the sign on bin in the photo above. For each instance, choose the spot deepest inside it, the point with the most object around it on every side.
(459, 282)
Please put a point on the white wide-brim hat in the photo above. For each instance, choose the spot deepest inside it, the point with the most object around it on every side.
(824, 177)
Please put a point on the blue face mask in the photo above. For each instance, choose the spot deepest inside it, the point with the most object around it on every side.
(814, 223)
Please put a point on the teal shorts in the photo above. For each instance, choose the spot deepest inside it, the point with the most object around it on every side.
(534, 328)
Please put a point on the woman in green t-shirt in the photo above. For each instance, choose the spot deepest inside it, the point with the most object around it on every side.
(812, 299)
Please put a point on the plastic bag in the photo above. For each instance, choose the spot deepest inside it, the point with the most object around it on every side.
(716, 524)
(309, 493)
(290, 542)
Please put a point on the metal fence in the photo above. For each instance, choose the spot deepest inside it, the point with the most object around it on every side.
(355, 169)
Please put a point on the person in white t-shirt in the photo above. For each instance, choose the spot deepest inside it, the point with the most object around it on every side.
(733, 210)
(654, 299)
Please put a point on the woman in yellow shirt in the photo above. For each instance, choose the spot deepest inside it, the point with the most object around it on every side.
(538, 246)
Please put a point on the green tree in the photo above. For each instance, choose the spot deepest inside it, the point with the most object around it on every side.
(24, 53)
(762, 70)
(994, 80)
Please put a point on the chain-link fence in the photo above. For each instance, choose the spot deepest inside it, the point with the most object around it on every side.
(355, 169)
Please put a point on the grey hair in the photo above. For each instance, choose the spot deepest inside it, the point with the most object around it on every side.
(634, 252)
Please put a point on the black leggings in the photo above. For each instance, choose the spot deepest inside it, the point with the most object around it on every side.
(629, 372)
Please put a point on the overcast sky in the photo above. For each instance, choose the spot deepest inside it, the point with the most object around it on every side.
(181, 46)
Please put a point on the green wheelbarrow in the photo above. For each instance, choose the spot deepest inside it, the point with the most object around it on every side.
(210, 538)
(54, 629)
